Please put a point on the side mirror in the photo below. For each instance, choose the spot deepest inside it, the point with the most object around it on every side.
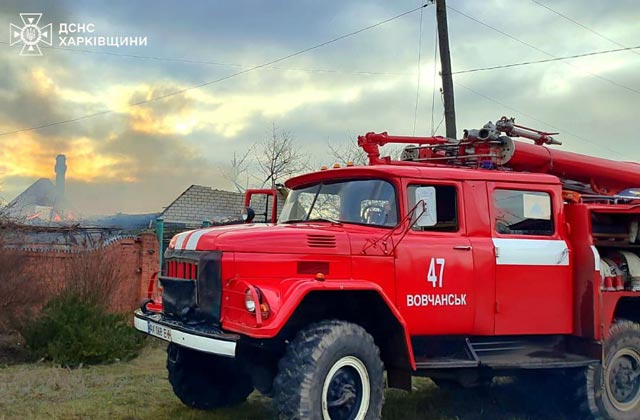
(248, 214)
(429, 214)
(271, 199)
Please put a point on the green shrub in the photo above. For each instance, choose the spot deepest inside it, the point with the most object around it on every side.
(71, 331)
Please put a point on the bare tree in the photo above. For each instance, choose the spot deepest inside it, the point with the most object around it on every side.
(392, 150)
(351, 152)
(278, 157)
(6, 210)
(95, 277)
(239, 167)
(348, 152)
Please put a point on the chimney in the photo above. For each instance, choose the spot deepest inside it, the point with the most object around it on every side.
(61, 170)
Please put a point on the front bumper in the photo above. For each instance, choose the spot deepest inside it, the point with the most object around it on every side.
(206, 339)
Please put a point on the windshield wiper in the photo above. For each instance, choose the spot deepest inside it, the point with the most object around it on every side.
(324, 219)
(315, 219)
(313, 203)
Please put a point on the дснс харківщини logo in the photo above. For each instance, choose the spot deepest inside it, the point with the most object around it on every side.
(70, 34)
(30, 34)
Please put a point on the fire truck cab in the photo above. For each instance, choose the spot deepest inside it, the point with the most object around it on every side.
(465, 260)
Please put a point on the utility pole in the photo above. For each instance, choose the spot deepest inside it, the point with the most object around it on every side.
(445, 61)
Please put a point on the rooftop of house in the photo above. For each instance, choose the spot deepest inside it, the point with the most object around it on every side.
(199, 203)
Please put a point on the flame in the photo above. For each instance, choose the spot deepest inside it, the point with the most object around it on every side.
(51, 216)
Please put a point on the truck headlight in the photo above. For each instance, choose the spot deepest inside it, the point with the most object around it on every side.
(252, 305)
(249, 302)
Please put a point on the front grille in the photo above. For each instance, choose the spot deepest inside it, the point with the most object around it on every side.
(191, 286)
(182, 269)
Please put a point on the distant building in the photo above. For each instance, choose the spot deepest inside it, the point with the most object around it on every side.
(39, 204)
(199, 203)
(42, 202)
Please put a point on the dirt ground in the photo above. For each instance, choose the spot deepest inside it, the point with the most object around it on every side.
(139, 390)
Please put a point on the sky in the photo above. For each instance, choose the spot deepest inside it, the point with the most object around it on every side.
(138, 158)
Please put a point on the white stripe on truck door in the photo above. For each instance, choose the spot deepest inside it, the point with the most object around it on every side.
(531, 251)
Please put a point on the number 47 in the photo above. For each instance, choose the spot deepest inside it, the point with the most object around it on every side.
(432, 277)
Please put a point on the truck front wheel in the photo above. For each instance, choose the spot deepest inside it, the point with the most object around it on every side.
(330, 371)
(205, 381)
(612, 391)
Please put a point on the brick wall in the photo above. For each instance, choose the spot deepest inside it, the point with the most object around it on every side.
(136, 259)
(148, 261)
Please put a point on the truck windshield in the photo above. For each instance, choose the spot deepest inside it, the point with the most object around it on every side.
(370, 202)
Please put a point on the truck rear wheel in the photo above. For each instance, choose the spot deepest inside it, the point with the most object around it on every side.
(205, 381)
(330, 371)
(612, 391)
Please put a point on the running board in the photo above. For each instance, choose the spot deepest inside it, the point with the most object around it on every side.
(499, 353)
(546, 352)
(445, 363)
(455, 354)
(526, 361)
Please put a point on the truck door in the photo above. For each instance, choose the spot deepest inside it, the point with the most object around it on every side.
(533, 280)
(434, 262)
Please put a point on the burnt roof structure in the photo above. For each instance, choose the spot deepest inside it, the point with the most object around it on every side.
(40, 193)
(38, 204)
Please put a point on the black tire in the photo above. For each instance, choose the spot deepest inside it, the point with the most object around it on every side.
(328, 372)
(613, 392)
(205, 381)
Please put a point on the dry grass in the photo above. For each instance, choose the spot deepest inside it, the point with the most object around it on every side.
(139, 390)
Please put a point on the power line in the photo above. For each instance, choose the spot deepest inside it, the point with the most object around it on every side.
(201, 85)
(497, 30)
(560, 129)
(583, 26)
(415, 111)
(222, 64)
(342, 71)
(548, 60)
(548, 54)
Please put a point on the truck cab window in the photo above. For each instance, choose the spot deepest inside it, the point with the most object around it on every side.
(446, 207)
(361, 201)
(523, 212)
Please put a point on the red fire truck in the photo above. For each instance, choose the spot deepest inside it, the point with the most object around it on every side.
(464, 260)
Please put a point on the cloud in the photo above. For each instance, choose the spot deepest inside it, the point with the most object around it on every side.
(31, 153)
(37, 161)
(139, 157)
